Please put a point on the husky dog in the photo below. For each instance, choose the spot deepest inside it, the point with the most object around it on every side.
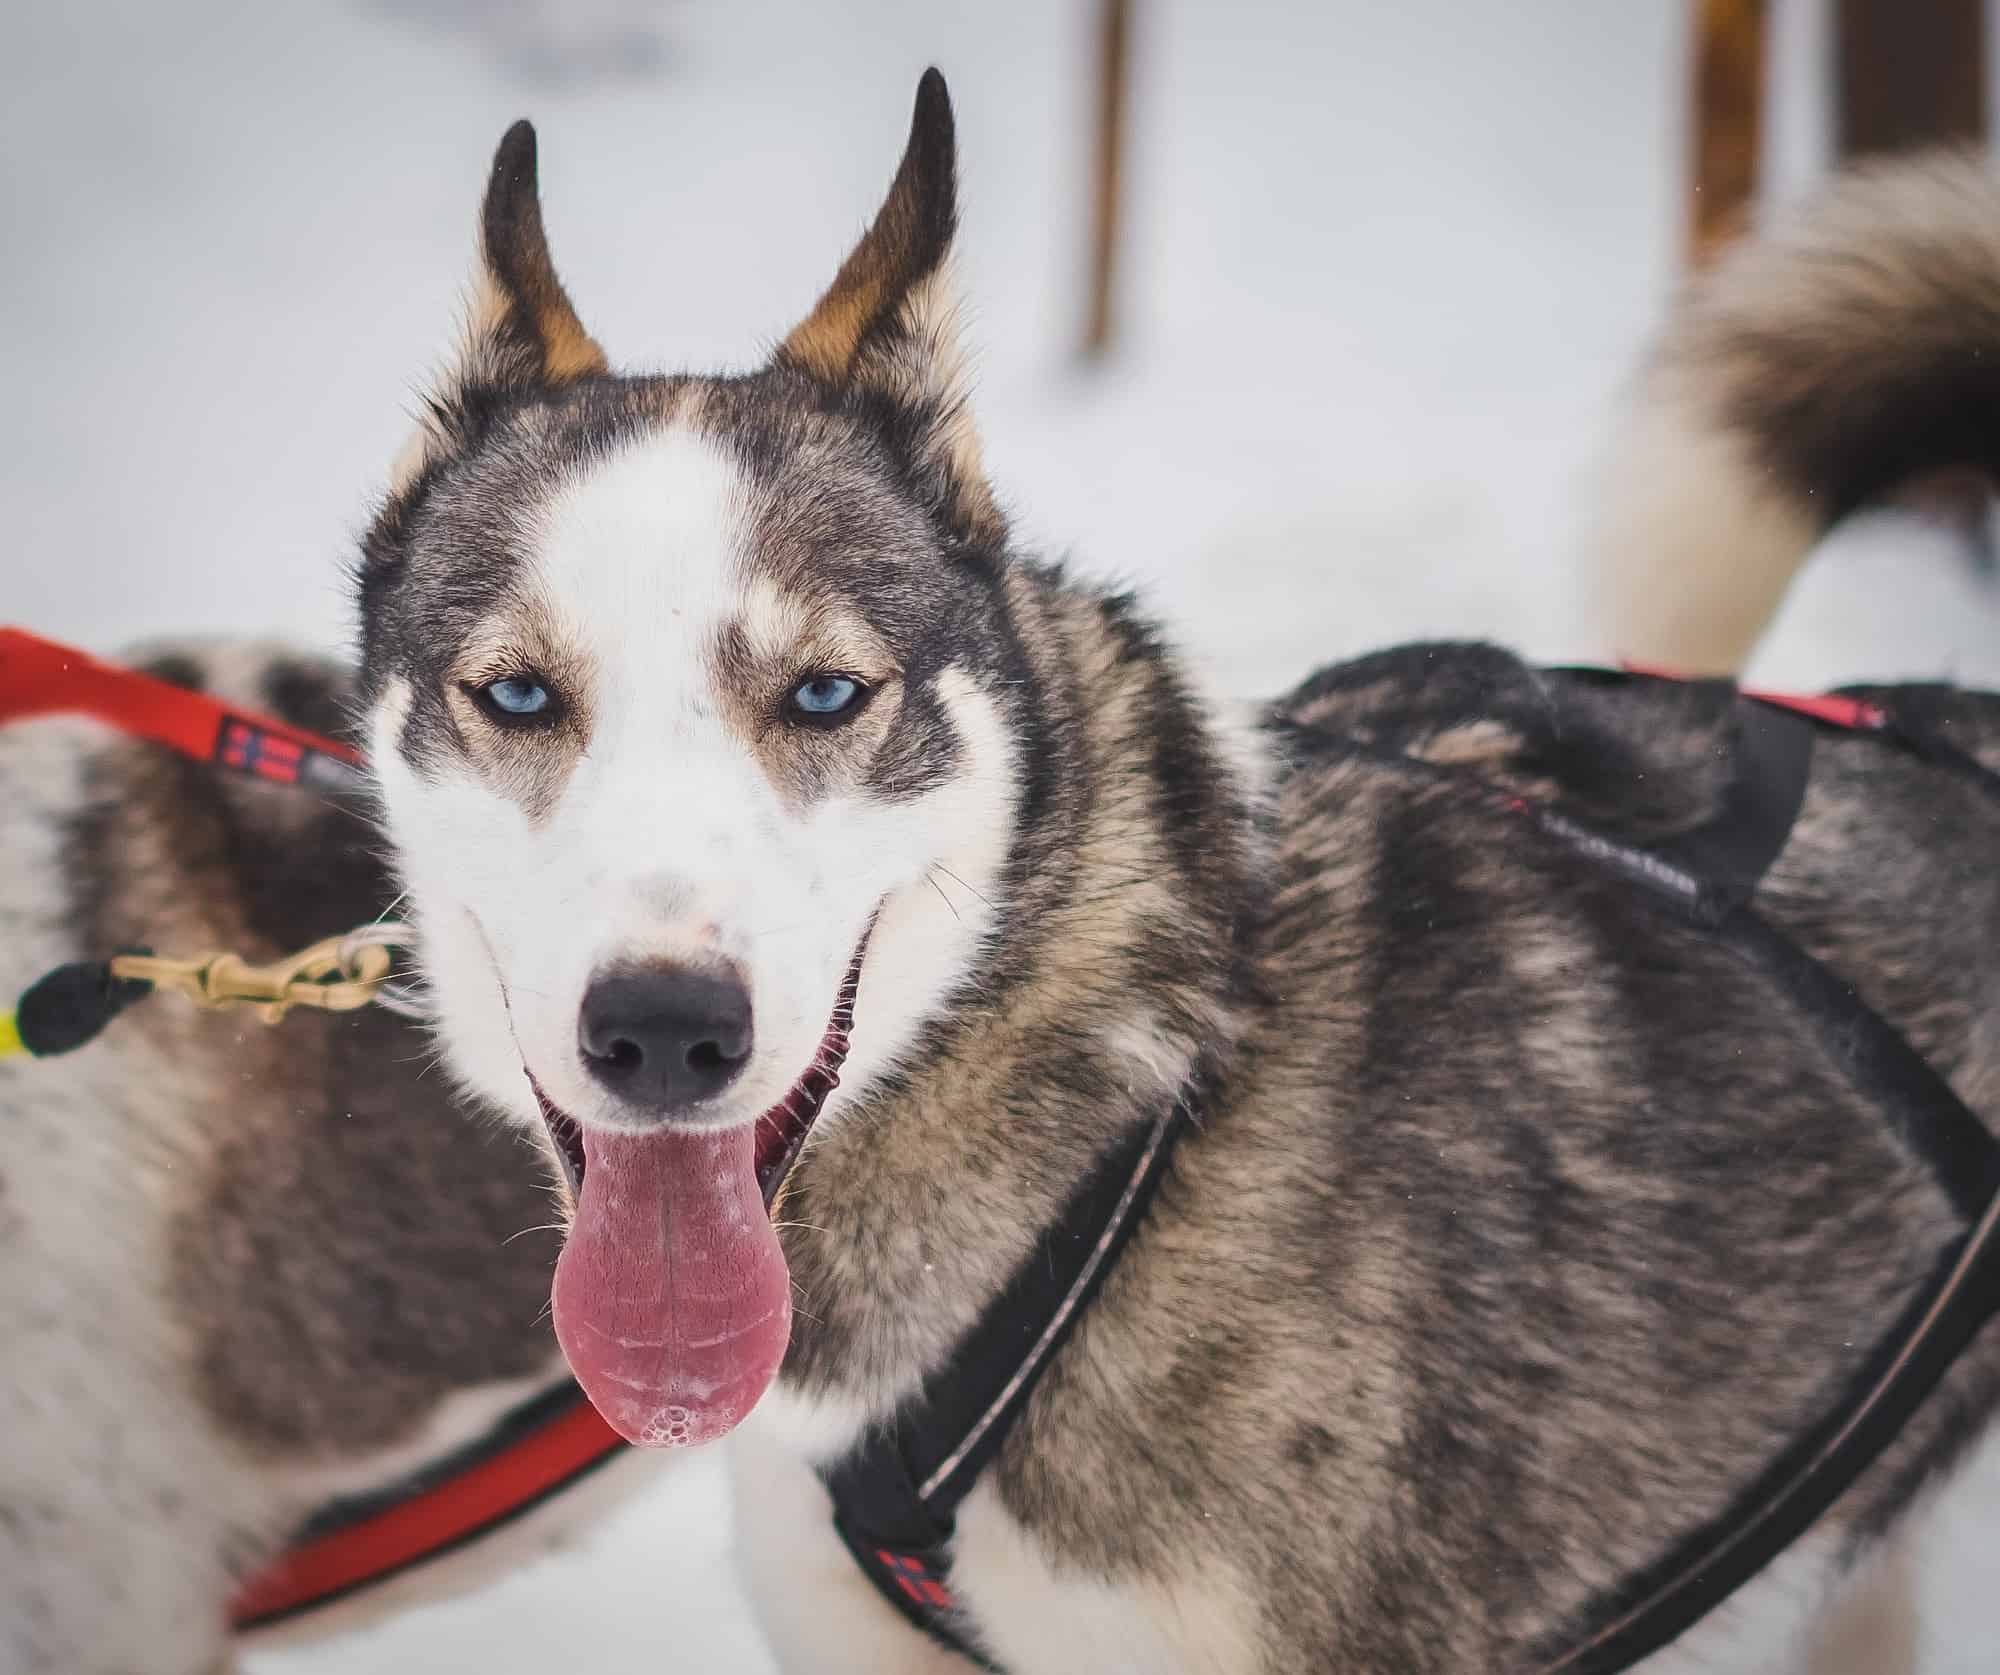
(242, 1270)
(1519, 1227)
(1851, 352)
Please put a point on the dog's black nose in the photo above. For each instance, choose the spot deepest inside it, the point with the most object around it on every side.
(665, 1037)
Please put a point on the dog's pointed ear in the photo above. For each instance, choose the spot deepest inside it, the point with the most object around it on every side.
(520, 332)
(886, 334)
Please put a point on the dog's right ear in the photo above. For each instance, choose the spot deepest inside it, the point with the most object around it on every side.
(520, 333)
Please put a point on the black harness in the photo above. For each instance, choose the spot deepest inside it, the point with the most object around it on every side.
(895, 1497)
(896, 1494)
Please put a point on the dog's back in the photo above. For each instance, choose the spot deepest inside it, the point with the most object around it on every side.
(1531, 1224)
(241, 1269)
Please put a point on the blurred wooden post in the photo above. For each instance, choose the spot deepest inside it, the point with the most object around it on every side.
(1113, 75)
(1728, 121)
(1912, 73)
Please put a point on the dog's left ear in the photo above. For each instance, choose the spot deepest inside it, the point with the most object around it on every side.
(520, 332)
(885, 336)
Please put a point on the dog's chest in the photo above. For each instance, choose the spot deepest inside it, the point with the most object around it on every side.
(1040, 1617)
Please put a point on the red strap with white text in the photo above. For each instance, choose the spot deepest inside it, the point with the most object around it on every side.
(39, 677)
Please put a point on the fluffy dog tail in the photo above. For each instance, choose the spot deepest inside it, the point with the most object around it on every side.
(1816, 367)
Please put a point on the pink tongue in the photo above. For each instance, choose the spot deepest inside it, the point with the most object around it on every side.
(672, 1300)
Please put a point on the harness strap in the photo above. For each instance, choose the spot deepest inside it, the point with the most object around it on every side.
(896, 1494)
(1904, 722)
(38, 677)
(1655, 1608)
(541, 1448)
(1730, 855)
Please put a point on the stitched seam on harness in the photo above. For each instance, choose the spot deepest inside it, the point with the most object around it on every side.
(1035, 1356)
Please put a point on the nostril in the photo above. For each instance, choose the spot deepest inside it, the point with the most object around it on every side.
(665, 1037)
(721, 1051)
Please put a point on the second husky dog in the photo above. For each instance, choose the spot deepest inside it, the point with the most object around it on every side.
(243, 1271)
(723, 734)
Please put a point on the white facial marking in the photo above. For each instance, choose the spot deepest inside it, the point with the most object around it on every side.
(668, 840)
(949, 846)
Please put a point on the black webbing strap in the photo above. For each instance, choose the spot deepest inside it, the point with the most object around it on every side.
(1709, 871)
(1904, 722)
(1917, 1102)
(1655, 1608)
(1767, 787)
(896, 1495)
(1651, 1610)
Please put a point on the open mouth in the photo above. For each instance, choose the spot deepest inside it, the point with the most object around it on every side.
(671, 1298)
(781, 1131)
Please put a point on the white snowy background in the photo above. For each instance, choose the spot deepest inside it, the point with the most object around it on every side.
(1386, 266)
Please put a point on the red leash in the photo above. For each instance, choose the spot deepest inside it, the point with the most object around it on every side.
(39, 677)
(542, 1447)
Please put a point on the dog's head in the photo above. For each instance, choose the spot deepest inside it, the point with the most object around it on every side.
(689, 702)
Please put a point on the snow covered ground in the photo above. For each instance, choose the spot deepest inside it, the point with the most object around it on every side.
(1386, 267)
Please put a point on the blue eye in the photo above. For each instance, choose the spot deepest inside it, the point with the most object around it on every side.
(515, 695)
(825, 695)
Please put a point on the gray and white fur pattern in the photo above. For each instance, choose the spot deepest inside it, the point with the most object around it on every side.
(1519, 1228)
(242, 1270)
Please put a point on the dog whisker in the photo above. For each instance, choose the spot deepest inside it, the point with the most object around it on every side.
(941, 896)
(939, 866)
